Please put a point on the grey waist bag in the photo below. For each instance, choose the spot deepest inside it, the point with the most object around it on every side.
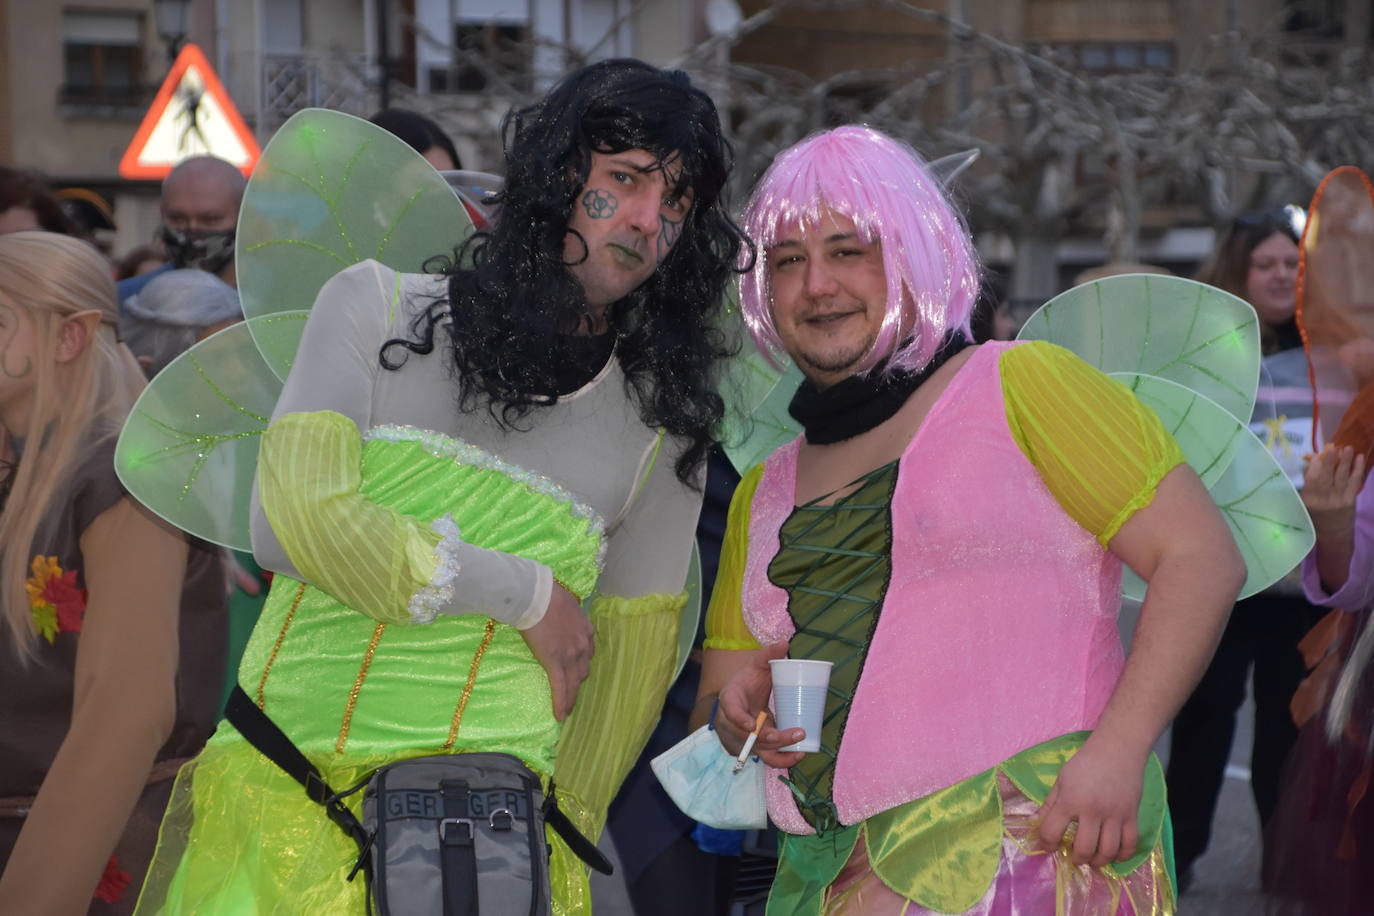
(448, 835)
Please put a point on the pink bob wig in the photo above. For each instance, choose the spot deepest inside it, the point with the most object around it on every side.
(882, 185)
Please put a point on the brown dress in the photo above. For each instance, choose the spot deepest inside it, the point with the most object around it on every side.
(36, 699)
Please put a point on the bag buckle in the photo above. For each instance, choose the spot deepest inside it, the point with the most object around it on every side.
(507, 820)
(445, 823)
(316, 789)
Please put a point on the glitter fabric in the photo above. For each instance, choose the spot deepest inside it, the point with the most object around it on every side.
(972, 848)
(951, 649)
(994, 579)
(465, 453)
(765, 605)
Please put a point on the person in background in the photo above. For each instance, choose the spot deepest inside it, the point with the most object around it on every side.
(1320, 838)
(200, 211)
(139, 261)
(27, 203)
(1257, 260)
(113, 623)
(476, 190)
(174, 311)
(90, 214)
(422, 133)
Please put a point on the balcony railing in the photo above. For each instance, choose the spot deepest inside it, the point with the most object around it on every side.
(291, 82)
(123, 103)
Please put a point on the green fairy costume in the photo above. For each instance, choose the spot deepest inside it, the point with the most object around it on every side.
(411, 540)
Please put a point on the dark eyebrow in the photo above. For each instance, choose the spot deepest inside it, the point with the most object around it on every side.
(840, 237)
(635, 166)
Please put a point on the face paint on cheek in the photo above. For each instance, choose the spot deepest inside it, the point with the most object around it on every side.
(8, 361)
(599, 204)
(669, 231)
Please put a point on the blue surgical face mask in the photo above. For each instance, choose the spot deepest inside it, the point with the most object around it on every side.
(699, 776)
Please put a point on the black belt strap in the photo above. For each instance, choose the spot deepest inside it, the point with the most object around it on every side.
(580, 846)
(264, 734)
(457, 853)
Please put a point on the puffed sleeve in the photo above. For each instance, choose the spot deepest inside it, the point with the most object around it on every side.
(310, 521)
(725, 628)
(637, 611)
(1100, 451)
(1358, 591)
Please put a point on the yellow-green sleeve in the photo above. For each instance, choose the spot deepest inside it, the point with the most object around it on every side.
(725, 627)
(1100, 450)
(373, 559)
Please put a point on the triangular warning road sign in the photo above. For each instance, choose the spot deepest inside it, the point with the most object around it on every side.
(191, 115)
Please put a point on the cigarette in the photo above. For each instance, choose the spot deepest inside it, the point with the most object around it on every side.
(749, 742)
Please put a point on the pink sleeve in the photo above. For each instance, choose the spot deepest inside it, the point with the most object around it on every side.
(1358, 591)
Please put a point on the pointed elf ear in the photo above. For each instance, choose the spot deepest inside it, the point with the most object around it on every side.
(76, 334)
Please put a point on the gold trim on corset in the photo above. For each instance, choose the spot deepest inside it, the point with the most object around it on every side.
(357, 687)
(276, 647)
(467, 688)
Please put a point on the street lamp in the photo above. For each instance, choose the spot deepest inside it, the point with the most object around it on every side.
(171, 16)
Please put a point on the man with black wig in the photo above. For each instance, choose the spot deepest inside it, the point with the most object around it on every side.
(471, 476)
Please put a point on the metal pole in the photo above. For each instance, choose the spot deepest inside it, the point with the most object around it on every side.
(383, 59)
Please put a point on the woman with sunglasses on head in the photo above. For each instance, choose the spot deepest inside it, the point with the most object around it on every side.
(112, 624)
(1257, 260)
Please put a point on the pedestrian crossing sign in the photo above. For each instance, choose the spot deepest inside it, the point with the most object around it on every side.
(191, 115)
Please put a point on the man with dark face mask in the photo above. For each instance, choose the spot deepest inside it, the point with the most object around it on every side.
(200, 210)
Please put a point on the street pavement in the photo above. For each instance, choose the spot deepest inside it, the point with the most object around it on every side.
(1226, 877)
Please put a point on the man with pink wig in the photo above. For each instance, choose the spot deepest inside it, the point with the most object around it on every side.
(949, 532)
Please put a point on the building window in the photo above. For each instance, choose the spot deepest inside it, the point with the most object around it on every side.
(1117, 56)
(102, 58)
(1315, 18)
(486, 55)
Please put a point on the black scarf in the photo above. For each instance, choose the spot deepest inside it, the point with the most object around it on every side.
(862, 402)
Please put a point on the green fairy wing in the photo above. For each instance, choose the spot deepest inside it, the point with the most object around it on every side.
(1264, 512)
(757, 388)
(1191, 353)
(189, 449)
(1168, 327)
(332, 190)
(329, 191)
(756, 420)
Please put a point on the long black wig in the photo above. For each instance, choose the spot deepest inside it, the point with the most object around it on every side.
(512, 297)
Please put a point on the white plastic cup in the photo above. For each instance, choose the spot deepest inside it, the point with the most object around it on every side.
(799, 689)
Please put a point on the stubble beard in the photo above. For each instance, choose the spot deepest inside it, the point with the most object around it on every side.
(835, 359)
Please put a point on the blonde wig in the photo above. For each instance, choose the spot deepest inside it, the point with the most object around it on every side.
(46, 279)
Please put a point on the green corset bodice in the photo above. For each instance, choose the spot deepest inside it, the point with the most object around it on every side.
(339, 682)
(834, 563)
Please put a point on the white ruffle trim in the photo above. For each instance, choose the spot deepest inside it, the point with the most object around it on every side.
(425, 604)
(442, 446)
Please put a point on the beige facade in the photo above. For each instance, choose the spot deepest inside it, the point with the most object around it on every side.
(77, 136)
(860, 51)
(273, 57)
